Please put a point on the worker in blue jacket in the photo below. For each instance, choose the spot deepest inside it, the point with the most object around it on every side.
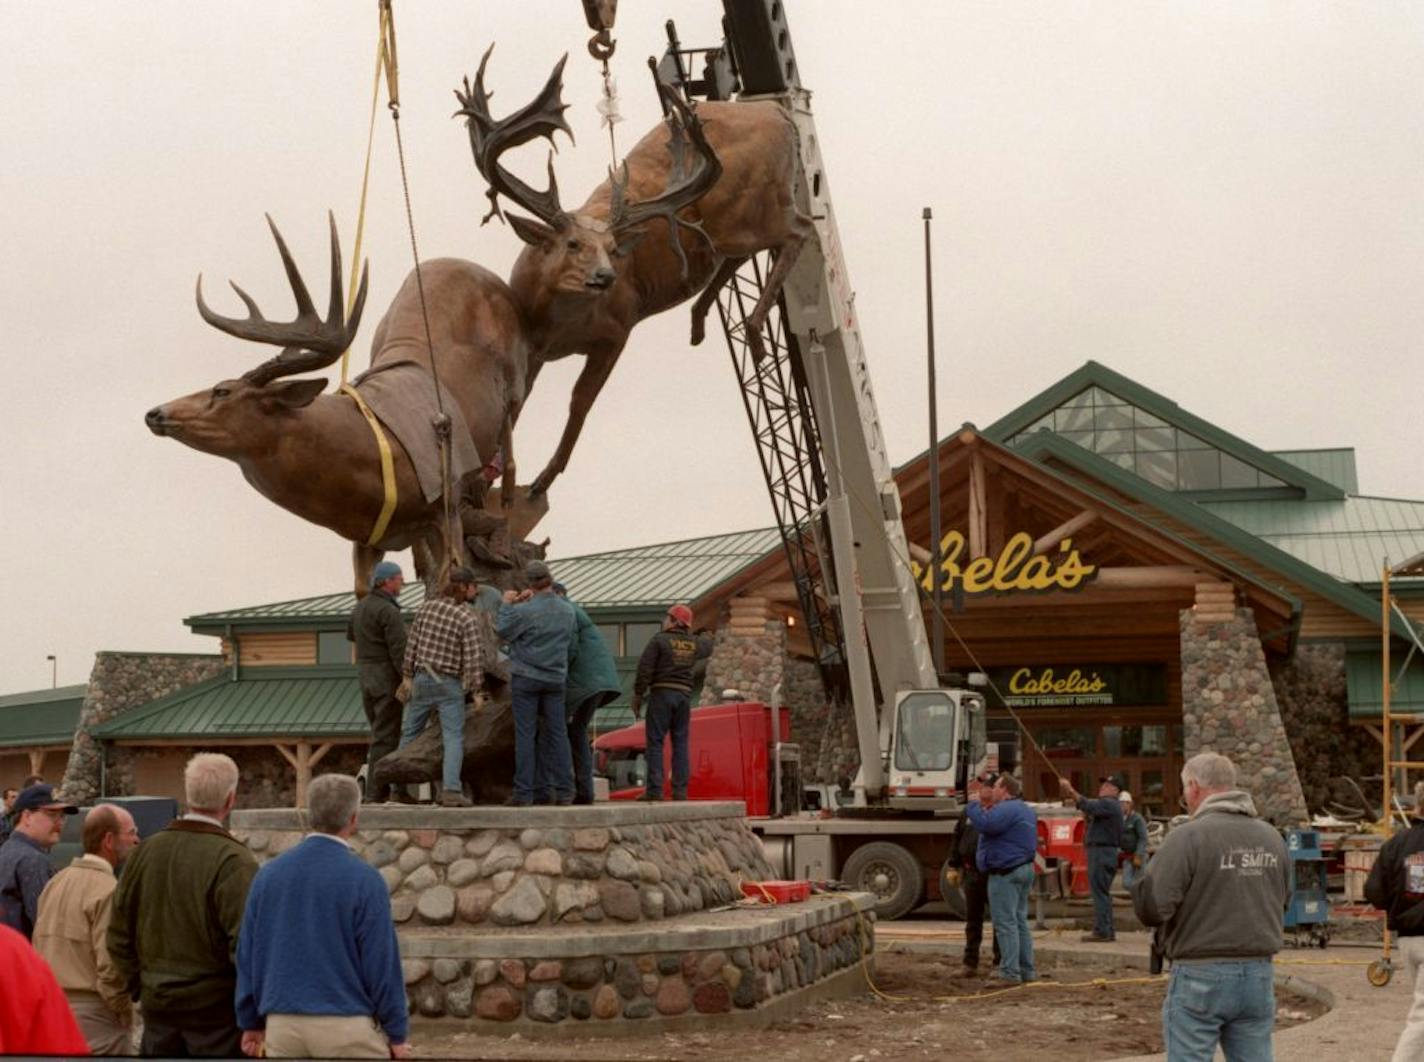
(1102, 839)
(1008, 840)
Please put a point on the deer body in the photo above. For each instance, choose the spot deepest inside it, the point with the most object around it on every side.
(696, 196)
(315, 455)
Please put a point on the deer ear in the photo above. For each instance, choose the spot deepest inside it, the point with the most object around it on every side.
(293, 394)
(532, 232)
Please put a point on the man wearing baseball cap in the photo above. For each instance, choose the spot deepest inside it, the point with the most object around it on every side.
(665, 672)
(38, 817)
(377, 628)
(1102, 841)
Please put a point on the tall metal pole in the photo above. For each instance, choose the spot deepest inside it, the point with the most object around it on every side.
(937, 617)
(53, 671)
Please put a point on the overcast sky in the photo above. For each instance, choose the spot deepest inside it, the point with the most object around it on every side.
(1224, 201)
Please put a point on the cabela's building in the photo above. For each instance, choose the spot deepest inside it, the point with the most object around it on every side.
(1137, 582)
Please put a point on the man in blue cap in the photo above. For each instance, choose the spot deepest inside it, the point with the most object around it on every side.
(38, 817)
(378, 629)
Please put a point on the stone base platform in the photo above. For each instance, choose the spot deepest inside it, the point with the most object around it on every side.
(586, 920)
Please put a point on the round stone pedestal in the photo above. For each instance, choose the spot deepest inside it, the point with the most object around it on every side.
(591, 919)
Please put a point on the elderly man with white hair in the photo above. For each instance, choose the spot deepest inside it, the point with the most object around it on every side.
(318, 966)
(1218, 888)
(177, 911)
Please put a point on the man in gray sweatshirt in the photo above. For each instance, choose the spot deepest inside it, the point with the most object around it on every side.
(1218, 888)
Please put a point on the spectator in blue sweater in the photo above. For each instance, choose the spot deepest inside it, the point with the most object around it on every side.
(318, 967)
(1008, 839)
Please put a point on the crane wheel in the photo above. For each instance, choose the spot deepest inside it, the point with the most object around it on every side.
(888, 871)
(1379, 972)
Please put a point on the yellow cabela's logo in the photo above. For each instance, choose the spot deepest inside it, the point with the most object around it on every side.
(1013, 569)
(1024, 683)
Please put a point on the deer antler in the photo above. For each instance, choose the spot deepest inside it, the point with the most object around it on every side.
(489, 139)
(688, 179)
(310, 342)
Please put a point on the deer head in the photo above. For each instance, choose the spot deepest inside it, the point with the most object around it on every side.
(236, 417)
(582, 251)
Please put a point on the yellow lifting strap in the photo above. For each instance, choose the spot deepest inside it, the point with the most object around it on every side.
(388, 465)
(385, 63)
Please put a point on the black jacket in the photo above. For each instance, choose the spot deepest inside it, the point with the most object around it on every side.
(965, 846)
(1396, 883)
(667, 662)
(378, 629)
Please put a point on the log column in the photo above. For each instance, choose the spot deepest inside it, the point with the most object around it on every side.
(303, 759)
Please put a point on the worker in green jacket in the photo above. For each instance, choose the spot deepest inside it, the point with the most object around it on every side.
(592, 683)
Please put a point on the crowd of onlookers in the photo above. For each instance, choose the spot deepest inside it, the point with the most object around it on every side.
(220, 959)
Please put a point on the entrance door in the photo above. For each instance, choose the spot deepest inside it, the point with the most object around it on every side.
(1147, 754)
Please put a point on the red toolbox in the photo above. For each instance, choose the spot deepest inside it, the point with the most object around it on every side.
(777, 891)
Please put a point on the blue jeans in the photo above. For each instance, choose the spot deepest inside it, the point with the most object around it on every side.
(1102, 868)
(541, 740)
(669, 711)
(1230, 1002)
(447, 697)
(1130, 874)
(581, 752)
(1008, 908)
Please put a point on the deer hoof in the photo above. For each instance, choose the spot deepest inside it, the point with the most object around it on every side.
(699, 331)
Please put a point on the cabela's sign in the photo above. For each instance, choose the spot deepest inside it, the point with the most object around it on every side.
(1128, 685)
(1015, 568)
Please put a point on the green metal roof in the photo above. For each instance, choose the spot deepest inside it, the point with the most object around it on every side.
(1044, 445)
(651, 577)
(41, 717)
(1364, 679)
(1349, 538)
(1093, 374)
(261, 702)
(1333, 466)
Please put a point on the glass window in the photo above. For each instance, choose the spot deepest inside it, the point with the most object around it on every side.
(1236, 473)
(1113, 417)
(1126, 461)
(610, 636)
(1074, 415)
(1144, 419)
(1106, 398)
(1155, 438)
(1159, 468)
(1199, 469)
(1114, 441)
(333, 648)
(1151, 794)
(636, 637)
(1067, 742)
(1080, 438)
(925, 733)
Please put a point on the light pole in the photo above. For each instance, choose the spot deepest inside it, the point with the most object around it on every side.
(937, 597)
(53, 671)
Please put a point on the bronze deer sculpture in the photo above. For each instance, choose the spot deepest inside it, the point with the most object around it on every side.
(708, 187)
(315, 455)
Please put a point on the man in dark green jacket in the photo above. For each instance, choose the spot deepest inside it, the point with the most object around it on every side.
(177, 912)
(378, 629)
(592, 683)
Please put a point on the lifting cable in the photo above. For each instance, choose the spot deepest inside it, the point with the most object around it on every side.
(387, 64)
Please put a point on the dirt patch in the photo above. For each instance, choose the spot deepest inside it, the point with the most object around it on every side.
(1050, 1021)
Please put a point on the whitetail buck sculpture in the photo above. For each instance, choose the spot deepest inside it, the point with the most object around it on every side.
(315, 455)
(708, 187)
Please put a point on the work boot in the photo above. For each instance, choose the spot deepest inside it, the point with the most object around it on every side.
(515, 802)
(650, 797)
(1095, 938)
(451, 799)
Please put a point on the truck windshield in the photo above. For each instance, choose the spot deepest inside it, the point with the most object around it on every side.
(924, 733)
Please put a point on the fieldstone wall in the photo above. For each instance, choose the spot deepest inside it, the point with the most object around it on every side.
(636, 986)
(530, 876)
(1229, 706)
(803, 694)
(119, 682)
(1310, 689)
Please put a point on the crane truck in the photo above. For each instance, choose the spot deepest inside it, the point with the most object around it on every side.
(812, 411)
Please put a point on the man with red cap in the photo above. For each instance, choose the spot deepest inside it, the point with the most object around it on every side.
(665, 673)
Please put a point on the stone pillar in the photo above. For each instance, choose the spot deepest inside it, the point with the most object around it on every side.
(119, 682)
(1229, 706)
(750, 663)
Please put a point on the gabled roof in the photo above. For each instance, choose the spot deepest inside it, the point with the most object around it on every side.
(645, 577)
(1335, 466)
(40, 717)
(1045, 445)
(267, 702)
(1349, 538)
(1094, 374)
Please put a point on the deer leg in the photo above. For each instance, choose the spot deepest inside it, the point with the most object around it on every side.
(786, 256)
(725, 272)
(507, 482)
(363, 562)
(596, 369)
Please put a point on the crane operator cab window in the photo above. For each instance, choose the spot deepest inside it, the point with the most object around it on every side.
(925, 732)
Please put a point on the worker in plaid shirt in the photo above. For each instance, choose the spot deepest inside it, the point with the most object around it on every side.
(445, 663)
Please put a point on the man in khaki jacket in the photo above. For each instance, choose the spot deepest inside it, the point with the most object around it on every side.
(73, 924)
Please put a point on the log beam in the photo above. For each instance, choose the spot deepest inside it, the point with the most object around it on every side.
(1068, 529)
